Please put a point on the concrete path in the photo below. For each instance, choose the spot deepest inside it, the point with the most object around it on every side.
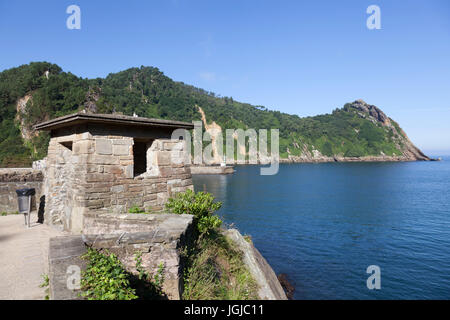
(23, 257)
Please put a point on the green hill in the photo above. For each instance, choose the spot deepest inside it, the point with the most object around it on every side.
(39, 91)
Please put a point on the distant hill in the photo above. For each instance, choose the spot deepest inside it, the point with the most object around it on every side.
(39, 91)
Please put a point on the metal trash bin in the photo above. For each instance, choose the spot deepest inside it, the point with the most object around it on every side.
(24, 201)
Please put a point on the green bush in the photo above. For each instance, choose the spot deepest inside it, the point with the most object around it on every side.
(201, 205)
(105, 278)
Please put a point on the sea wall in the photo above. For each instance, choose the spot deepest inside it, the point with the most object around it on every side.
(12, 179)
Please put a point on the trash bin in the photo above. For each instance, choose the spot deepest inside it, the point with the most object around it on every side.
(24, 201)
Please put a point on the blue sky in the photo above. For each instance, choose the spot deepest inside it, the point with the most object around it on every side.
(299, 57)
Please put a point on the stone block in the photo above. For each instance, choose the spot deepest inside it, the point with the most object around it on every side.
(163, 158)
(161, 187)
(174, 181)
(162, 197)
(165, 171)
(172, 145)
(149, 197)
(114, 169)
(83, 136)
(178, 157)
(129, 171)
(83, 147)
(128, 142)
(102, 159)
(103, 146)
(99, 177)
(121, 150)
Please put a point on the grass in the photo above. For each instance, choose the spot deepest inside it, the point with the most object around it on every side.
(215, 271)
(136, 209)
(4, 213)
(151, 210)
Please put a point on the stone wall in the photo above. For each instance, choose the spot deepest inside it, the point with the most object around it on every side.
(158, 237)
(19, 178)
(96, 169)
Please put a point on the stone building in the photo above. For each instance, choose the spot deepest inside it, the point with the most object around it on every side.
(112, 162)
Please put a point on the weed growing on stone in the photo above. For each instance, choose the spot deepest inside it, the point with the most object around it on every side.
(146, 286)
(45, 284)
(136, 209)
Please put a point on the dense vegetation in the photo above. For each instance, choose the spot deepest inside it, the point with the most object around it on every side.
(214, 267)
(106, 278)
(147, 92)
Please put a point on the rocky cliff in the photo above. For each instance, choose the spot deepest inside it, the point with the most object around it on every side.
(407, 150)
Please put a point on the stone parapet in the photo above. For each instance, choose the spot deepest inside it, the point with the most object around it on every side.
(158, 238)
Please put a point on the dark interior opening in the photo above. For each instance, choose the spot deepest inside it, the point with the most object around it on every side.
(67, 144)
(140, 157)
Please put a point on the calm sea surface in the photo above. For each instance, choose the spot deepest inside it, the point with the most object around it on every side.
(324, 224)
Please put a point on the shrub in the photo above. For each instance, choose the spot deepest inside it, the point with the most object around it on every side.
(105, 278)
(201, 205)
(207, 223)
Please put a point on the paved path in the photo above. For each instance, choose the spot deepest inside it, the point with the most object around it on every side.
(23, 257)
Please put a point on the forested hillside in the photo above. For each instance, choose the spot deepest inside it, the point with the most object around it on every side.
(39, 91)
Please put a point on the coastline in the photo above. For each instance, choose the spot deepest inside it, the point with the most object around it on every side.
(355, 159)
